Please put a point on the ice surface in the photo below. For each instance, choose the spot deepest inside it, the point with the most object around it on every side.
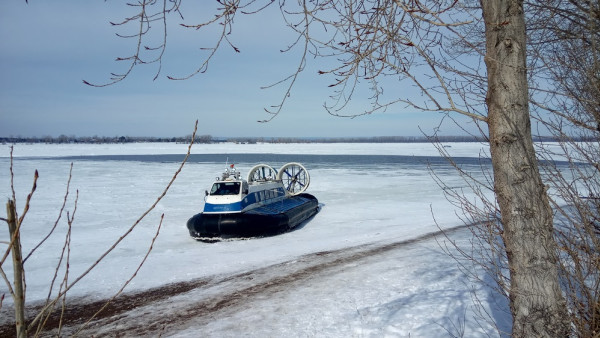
(417, 291)
(421, 149)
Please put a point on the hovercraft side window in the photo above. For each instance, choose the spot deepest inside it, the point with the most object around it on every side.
(225, 188)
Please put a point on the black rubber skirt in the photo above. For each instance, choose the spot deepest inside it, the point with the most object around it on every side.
(262, 221)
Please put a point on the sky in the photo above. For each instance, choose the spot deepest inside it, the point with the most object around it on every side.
(48, 49)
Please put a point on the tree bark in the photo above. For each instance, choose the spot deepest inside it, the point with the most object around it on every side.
(536, 302)
(18, 287)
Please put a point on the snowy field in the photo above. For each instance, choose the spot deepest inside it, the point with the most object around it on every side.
(369, 268)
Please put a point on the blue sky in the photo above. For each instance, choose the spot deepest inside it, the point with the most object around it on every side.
(47, 49)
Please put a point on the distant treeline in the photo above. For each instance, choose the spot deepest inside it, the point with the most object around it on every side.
(375, 139)
(103, 139)
(251, 140)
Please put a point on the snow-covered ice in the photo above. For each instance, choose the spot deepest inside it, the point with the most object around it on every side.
(415, 289)
(420, 149)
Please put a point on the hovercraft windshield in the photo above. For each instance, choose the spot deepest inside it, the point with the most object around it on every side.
(225, 188)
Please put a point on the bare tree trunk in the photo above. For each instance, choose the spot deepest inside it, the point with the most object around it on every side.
(18, 287)
(537, 305)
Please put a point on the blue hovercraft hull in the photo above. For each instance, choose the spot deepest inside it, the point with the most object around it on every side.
(265, 220)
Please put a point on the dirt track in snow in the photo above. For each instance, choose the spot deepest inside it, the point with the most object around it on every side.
(171, 307)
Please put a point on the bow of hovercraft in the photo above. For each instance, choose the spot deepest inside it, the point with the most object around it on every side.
(268, 202)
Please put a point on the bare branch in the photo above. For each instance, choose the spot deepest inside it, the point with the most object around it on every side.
(128, 281)
(62, 208)
(61, 294)
(20, 219)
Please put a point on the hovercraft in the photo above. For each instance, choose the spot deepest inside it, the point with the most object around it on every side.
(268, 202)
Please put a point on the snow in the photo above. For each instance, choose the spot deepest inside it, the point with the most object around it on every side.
(420, 149)
(415, 289)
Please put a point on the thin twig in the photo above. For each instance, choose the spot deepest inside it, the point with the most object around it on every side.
(116, 243)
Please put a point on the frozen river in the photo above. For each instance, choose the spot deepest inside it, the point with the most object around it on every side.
(372, 195)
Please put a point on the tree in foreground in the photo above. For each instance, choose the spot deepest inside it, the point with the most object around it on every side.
(567, 55)
(488, 60)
